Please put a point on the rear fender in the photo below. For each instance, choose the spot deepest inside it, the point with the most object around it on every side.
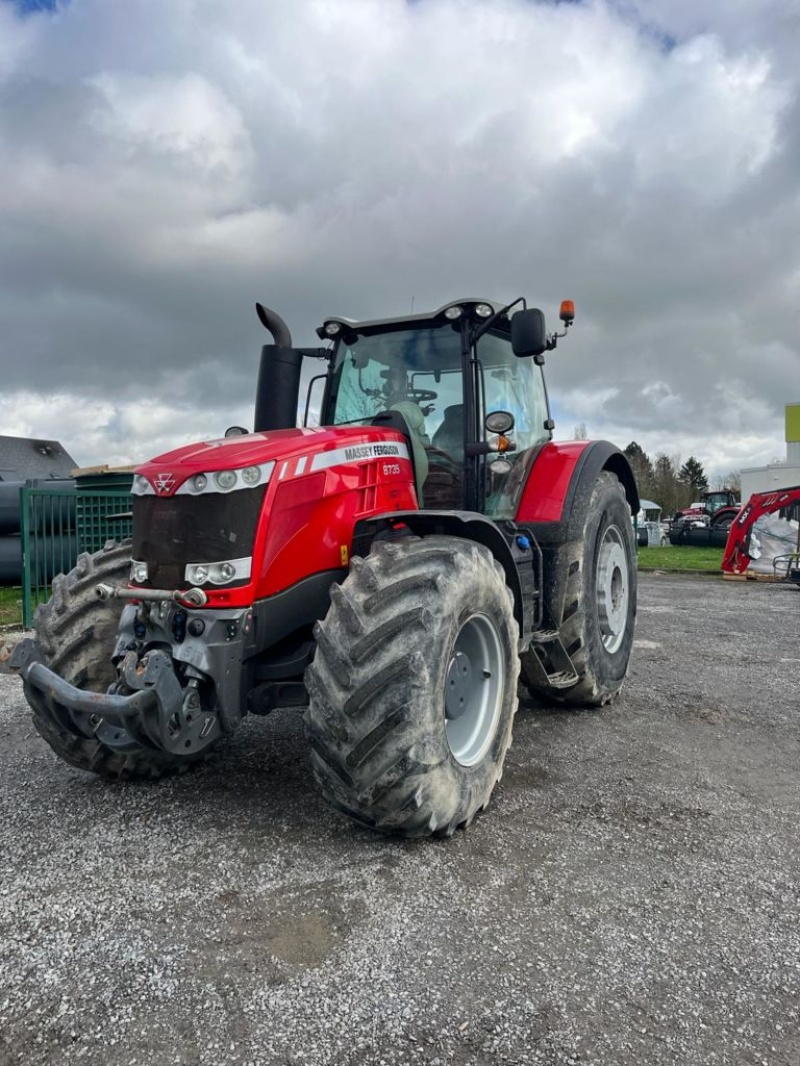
(554, 498)
(554, 502)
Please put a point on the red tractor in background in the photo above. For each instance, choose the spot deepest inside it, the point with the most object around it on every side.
(706, 523)
(394, 571)
(717, 509)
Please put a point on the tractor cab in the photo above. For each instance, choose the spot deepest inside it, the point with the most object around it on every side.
(463, 384)
(712, 501)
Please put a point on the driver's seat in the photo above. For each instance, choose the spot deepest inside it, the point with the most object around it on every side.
(449, 437)
(444, 487)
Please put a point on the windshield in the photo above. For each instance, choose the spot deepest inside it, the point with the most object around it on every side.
(385, 370)
(419, 374)
(715, 500)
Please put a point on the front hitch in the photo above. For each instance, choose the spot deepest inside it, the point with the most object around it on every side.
(194, 597)
(157, 708)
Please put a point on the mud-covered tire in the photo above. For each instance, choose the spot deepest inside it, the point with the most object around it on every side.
(396, 743)
(596, 620)
(76, 633)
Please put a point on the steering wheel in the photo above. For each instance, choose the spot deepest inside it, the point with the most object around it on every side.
(421, 395)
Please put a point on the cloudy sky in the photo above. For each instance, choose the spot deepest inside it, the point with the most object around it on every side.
(164, 165)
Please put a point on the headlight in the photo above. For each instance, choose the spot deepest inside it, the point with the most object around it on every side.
(218, 573)
(226, 479)
(483, 310)
(138, 572)
(453, 312)
(247, 477)
(332, 328)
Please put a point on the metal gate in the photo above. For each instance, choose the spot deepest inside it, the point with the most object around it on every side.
(57, 524)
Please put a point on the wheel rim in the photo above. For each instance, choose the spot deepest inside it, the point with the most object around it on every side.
(613, 589)
(474, 689)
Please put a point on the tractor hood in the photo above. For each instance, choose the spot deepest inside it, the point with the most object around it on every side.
(248, 517)
(262, 456)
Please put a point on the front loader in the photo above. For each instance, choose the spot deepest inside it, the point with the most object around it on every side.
(393, 572)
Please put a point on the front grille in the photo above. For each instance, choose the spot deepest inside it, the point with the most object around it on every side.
(170, 532)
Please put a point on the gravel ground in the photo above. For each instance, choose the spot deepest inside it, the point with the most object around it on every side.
(631, 896)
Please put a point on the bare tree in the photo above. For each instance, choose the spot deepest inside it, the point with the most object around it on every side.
(731, 480)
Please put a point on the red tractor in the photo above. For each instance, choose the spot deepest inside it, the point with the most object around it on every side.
(716, 509)
(393, 571)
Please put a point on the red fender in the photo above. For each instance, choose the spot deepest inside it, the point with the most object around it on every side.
(549, 492)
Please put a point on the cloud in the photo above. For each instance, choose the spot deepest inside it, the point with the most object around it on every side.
(167, 165)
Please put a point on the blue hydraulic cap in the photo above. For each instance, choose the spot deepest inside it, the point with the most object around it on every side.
(524, 542)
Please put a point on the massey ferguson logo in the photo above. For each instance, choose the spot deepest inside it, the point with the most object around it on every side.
(164, 483)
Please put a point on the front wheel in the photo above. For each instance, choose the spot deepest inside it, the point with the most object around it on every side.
(412, 691)
(596, 618)
(76, 634)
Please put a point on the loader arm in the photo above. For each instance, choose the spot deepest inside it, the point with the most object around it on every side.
(737, 556)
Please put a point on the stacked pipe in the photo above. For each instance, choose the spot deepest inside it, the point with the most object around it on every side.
(42, 527)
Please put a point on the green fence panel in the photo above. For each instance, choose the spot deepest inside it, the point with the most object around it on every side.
(57, 524)
(102, 516)
(49, 542)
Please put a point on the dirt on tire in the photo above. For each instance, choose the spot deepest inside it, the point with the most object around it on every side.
(376, 720)
(600, 662)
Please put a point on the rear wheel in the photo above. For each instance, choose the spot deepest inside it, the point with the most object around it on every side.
(723, 519)
(76, 633)
(413, 686)
(596, 619)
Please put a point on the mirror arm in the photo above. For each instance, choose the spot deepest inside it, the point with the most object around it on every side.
(478, 447)
(315, 353)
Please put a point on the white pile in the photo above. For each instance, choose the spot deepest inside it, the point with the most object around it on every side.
(771, 538)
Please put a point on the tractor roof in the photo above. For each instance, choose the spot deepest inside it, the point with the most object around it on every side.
(409, 321)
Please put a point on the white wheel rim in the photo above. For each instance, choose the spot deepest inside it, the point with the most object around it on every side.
(612, 589)
(474, 690)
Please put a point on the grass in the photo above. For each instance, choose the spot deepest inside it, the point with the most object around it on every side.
(706, 560)
(10, 606)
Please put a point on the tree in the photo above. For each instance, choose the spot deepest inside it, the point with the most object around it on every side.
(668, 490)
(579, 432)
(642, 469)
(693, 475)
(731, 480)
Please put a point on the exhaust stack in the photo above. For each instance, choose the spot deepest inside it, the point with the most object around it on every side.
(278, 384)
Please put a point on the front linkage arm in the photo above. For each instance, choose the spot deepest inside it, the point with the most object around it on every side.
(155, 706)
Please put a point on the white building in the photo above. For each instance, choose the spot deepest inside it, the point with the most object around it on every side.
(777, 475)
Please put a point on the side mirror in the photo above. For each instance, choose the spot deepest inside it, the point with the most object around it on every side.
(528, 334)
